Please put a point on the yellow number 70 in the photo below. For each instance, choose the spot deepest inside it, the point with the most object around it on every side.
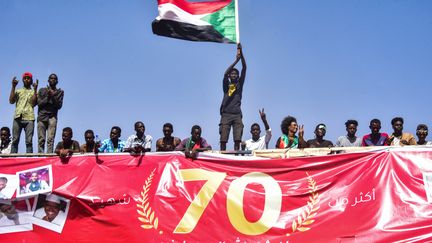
(272, 207)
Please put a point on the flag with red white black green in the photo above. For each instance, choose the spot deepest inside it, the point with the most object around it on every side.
(213, 21)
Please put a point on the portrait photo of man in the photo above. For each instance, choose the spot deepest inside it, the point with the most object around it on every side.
(34, 181)
(50, 211)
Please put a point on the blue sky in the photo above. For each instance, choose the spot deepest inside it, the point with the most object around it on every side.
(320, 61)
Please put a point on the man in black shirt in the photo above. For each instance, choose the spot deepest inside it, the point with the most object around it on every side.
(230, 110)
(50, 100)
(319, 141)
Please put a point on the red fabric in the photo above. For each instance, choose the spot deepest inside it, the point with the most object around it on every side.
(364, 197)
(198, 7)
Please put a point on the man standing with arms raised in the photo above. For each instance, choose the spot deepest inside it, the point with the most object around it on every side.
(230, 110)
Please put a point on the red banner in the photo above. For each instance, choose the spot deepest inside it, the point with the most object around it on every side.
(381, 196)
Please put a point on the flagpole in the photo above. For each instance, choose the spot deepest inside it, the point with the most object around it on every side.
(237, 22)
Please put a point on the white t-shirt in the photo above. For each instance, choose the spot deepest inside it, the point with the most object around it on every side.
(261, 143)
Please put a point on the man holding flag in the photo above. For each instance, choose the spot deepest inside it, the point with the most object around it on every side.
(230, 109)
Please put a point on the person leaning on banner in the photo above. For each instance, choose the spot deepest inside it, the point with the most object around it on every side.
(52, 210)
(375, 138)
(50, 100)
(67, 146)
(90, 145)
(257, 142)
(230, 109)
(399, 138)
(289, 139)
(319, 141)
(194, 144)
(422, 133)
(113, 144)
(139, 142)
(25, 99)
(168, 142)
(5, 143)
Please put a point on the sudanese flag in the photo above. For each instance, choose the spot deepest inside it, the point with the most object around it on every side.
(196, 21)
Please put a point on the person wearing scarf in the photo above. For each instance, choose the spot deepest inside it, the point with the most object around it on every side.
(194, 144)
(289, 139)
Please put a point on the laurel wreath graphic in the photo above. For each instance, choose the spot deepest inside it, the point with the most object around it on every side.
(144, 209)
(307, 215)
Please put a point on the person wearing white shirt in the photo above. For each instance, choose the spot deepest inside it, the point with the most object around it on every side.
(257, 142)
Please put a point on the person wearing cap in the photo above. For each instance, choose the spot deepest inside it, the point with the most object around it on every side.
(319, 141)
(50, 100)
(257, 142)
(25, 100)
(230, 109)
(51, 210)
(375, 138)
(399, 138)
(422, 133)
(349, 140)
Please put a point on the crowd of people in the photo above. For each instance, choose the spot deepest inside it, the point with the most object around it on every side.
(49, 101)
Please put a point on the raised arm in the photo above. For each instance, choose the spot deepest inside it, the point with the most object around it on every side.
(34, 98)
(302, 142)
(264, 119)
(243, 61)
(12, 96)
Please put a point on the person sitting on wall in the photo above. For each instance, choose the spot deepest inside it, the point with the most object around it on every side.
(289, 138)
(375, 138)
(67, 146)
(319, 141)
(194, 144)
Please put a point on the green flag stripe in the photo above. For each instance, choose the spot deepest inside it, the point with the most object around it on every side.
(224, 21)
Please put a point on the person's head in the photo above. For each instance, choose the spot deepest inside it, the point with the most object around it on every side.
(115, 133)
(320, 130)
(139, 128)
(255, 131)
(196, 133)
(8, 210)
(422, 131)
(3, 182)
(167, 130)
(52, 207)
(375, 126)
(67, 135)
(27, 79)
(5, 134)
(89, 136)
(397, 124)
(34, 177)
(52, 80)
(351, 127)
(233, 75)
(289, 124)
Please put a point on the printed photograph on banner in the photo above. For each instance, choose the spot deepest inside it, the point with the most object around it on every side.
(34, 181)
(8, 185)
(50, 211)
(15, 216)
(427, 180)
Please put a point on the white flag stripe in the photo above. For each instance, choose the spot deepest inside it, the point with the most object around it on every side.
(170, 11)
